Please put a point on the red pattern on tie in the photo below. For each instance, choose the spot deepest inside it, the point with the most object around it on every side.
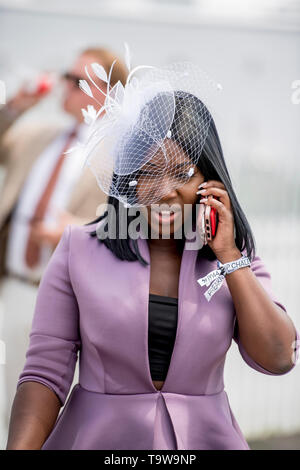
(33, 249)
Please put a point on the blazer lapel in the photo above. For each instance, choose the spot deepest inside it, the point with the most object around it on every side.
(186, 279)
(213, 320)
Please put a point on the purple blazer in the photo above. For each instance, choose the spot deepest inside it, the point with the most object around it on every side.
(90, 301)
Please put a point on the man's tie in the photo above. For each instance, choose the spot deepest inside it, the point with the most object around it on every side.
(32, 253)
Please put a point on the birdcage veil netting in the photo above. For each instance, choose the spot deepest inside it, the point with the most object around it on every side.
(152, 133)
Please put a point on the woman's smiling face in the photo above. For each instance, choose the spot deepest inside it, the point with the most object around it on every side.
(174, 184)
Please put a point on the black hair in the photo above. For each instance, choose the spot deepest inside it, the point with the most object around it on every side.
(211, 164)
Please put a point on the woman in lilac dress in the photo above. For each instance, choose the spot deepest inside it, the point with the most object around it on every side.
(151, 347)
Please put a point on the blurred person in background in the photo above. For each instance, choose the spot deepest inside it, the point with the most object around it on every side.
(43, 191)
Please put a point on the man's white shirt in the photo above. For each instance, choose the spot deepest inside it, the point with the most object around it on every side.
(30, 195)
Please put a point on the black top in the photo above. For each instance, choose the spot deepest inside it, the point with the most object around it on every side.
(161, 333)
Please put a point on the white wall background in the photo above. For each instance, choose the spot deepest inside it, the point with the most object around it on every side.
(256, 61)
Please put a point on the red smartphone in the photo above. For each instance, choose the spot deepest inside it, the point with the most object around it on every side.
(208, 218)
(211, 222)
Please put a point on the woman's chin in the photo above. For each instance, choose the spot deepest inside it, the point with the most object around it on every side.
(163, 230)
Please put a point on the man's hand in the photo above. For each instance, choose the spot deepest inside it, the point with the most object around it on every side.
(44, 234)
(25, 99)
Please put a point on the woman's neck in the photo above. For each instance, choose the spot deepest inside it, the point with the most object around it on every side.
(169, 245)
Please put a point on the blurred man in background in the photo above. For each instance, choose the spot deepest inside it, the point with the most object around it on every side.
(43, 191)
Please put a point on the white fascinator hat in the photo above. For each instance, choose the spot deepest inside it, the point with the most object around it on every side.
(148, 136)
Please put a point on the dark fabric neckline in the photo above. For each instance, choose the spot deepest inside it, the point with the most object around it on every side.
(162, 298)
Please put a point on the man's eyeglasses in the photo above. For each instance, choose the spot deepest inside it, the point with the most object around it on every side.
(72, 78)
(75, 79)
